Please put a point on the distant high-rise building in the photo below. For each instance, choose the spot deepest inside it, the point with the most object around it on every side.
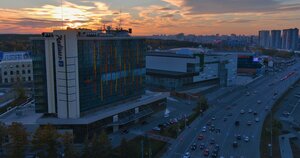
(264, 38)
(290, 39)
(275, 39)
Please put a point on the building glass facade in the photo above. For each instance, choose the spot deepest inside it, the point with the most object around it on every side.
(39, 75)
(110, 70)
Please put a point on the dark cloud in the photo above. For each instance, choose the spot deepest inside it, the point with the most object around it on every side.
(235, 6)
(38, 23)
(236, 21)
(165, 9)
(167, 16)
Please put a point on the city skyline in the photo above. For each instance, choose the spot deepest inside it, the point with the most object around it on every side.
(151, 16)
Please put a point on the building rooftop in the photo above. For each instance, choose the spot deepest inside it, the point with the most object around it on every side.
(111, 111)
(27, 113)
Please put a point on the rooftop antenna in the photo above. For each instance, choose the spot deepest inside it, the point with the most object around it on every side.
(120, 20)
(62, 14)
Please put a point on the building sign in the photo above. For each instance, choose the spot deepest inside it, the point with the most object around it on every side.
(60, 48)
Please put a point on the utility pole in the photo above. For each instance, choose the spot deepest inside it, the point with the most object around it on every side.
(142, 147)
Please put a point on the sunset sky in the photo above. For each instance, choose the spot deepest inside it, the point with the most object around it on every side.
(148, 17)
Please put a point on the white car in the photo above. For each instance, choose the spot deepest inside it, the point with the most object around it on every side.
(156, 129)
(249, 123)
(204, 129)
(250, 111)
(258, 101)
(187, 155)
(246, 139)
(242, 111)
(266, 108)
(256, 119)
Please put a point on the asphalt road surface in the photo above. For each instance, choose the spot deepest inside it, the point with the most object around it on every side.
(261, 96)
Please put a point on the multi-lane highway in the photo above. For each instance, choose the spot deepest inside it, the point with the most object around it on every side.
(257, 97)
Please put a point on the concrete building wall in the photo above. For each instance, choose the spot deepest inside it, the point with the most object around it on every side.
(14, 70)
(67, 87)
(175, 64)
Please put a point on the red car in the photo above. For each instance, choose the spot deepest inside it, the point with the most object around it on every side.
(206, 152)
(200, 137)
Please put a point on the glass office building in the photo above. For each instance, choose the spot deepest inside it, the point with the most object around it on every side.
(110, 71)
(80, 71)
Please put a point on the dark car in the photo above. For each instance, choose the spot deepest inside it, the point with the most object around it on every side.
(238, 137)
(237, 123)
(212, 141)
(206, 152)
(194, 146)
(214, 153)
(217, 147)
(202, 146)
(235, 144)
(200, 137)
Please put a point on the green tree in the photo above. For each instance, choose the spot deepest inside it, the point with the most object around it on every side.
(45, 141)
(202, 104)
(3, 134)
(18, 140)
(69, 151)
(124, 149)
(86, 148)
(19, 89)
(101, 146)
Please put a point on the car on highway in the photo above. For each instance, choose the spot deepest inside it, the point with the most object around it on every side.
(206, 152)
(204, 129)
(213, 118)
(266, 108)
(246, 139)
(247, 93)
(258, 101)
(254, 113)
(212, 128)
(200, 137)
(257, 119)
(186, 155)
(217, 147)
(286, 114)
(212, 141)
(194, 146)
(235, 144)
(214, 154)
(250, 111)
(249, 123)
(202, 146)
(238, 137)
(208, 123)
(242, 111)
(237, 123)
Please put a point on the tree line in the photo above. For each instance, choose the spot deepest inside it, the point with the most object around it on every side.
(47, 142)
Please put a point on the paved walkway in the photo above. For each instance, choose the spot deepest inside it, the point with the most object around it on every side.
(285, 145)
